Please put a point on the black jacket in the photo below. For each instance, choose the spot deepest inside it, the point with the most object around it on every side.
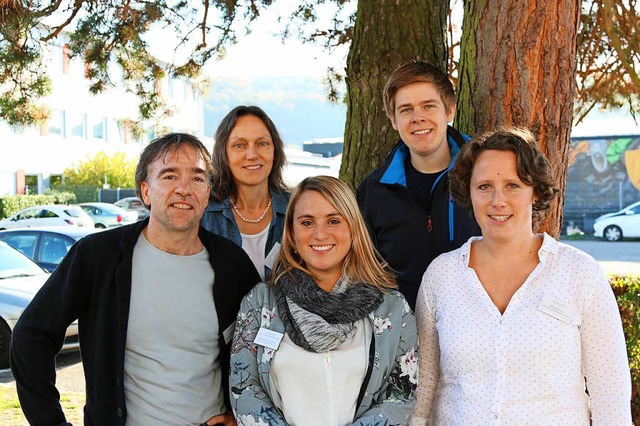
(93, 285)
(399, 224)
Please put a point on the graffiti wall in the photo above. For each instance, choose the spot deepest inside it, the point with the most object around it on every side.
(603, 176)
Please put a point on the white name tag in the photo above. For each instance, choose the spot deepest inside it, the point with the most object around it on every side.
(272, 256)
(268, 338)
(227, 335)
(558, 309)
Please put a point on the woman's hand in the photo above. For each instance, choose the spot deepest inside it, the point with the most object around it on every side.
(225, 419)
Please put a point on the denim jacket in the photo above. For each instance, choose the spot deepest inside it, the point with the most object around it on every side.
(218, 218)
(388, 392)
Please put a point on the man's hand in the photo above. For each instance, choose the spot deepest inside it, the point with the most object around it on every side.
(225, 419)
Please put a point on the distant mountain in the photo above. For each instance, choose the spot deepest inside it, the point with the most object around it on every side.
(297, 105)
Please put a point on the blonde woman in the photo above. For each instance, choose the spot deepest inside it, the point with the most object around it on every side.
(328, 341)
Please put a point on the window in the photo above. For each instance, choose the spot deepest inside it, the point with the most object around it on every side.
(26, 243)
(29, 214)
(53, 249)
(47, 213)
(77, 124)
(56, 123)
(99, 127)
(31, 184)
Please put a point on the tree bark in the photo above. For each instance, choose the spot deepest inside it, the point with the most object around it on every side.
(517, 67)
(387, 34)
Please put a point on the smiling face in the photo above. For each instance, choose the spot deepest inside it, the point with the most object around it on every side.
(250, 151)
(421, 119)
(322, 236)
(177, 191)
(502, 203)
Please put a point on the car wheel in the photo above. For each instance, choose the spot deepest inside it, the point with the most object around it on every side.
(5, 340)
(100, 226)
(612, 233)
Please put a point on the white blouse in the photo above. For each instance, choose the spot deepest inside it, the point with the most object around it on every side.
(320, 388)
(253, 245)
(529, 365)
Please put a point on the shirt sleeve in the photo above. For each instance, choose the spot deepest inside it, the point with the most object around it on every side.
(429, 361)
(604, 356)
(250, 401)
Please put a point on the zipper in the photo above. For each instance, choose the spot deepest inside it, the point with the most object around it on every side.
(429, 223)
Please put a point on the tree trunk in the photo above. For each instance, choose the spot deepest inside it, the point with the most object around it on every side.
(517, 67)
(387, 34)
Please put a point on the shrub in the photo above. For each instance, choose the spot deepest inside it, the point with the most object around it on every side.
(10, 204)
(627, 291)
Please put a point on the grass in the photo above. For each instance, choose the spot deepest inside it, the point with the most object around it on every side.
(11, 413)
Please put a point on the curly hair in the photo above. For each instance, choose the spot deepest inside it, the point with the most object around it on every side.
(532, 166)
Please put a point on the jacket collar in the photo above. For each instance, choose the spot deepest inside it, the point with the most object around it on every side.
(394, 172)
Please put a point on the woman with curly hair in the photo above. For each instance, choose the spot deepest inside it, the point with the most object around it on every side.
(329, 341)
(514, 324)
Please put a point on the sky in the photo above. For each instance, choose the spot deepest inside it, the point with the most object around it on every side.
(262, 52)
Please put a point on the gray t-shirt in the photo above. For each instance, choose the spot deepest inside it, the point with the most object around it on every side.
(171, 371)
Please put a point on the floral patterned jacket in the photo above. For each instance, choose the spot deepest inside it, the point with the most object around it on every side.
(388, 393)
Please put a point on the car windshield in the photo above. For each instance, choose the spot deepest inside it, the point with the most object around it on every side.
(15, 264)
(73, 211)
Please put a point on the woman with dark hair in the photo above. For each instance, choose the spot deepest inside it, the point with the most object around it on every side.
(328, 341)
(248, 194)
(513, 324)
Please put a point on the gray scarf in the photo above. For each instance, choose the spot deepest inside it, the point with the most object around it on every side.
(320, 321)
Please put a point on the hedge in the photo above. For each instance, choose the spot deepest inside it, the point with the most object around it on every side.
(10, 204)
(627, 291)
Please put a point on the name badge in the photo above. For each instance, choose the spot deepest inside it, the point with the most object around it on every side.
(268, 338)
(558, 309)
(227, 335)
(272, 256)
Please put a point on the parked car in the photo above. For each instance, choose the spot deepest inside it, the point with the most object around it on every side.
(50, 215)
(20, 280)
(105, 215)
(615, 226)
(45, 245)
(133, 204)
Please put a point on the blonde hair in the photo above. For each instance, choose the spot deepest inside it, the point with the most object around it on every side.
(363, 263)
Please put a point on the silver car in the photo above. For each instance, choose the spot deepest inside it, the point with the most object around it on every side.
(48, 215)
(105, 215)
(20, 280)
(133, 204)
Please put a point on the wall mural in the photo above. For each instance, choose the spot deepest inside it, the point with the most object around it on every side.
(603, 177)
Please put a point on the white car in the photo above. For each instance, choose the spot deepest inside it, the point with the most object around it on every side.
(20, 280)
(50, 215)
(615, 226)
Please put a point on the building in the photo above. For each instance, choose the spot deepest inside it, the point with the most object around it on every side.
(82, 124)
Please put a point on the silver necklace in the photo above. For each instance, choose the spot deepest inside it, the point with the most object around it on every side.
(264, 213)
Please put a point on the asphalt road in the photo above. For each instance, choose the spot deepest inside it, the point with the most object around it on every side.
(615, 257)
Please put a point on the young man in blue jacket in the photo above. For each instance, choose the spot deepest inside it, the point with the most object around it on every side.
(406, 202)
(155, 301)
